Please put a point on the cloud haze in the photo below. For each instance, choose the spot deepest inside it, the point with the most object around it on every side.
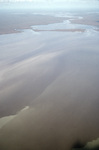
(59, 3)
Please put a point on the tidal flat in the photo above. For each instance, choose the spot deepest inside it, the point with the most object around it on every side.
(49, 79)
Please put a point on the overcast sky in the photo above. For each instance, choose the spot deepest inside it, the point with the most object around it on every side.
(61, 3)
(49, 1)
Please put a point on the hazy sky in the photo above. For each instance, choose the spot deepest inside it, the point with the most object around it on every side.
(49, 1)
(61, 3)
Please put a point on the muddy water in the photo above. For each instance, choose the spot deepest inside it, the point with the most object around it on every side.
(56, 74)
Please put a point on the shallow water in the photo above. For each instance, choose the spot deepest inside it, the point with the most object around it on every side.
(66, 24)
(56, 74)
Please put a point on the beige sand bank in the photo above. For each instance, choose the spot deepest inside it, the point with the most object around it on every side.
(63, 30)
(11, 21)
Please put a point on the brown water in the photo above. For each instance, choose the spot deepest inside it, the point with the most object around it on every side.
(55, 74)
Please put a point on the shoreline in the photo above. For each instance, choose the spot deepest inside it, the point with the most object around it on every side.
(28, 20)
